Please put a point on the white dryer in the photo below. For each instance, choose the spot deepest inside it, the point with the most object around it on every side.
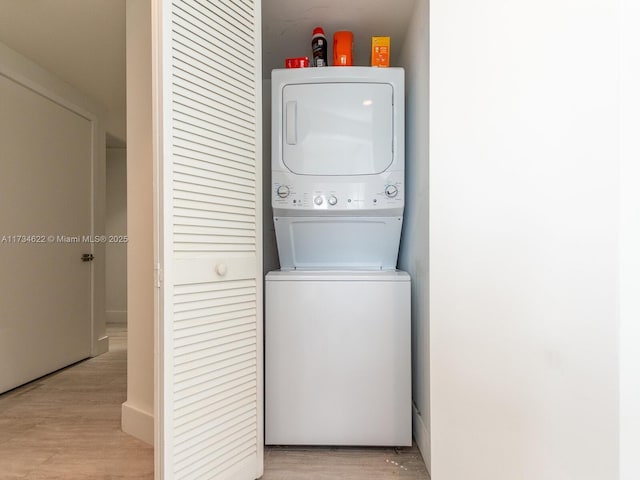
(338, 166)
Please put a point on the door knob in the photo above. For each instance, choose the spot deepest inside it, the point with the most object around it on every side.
(221, 269)
(87, 257)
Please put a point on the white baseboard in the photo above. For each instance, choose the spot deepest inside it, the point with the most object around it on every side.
(100, 347)
(423, 438)
(116, 316)
(137, 423)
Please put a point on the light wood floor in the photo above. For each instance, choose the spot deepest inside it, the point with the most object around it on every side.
(340, 463)
(67, 426)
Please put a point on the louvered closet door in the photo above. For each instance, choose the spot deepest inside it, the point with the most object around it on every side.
(210, 274)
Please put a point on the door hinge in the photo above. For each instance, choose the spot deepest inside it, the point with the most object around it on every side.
(157, 271)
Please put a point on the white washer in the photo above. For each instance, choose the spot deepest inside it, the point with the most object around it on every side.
(338, 358)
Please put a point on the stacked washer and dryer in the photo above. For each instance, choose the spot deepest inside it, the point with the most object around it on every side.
(337, 319)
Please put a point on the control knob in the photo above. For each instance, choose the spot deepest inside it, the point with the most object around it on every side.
(318, 200)
(332, 200)
(283, 191)
(391, 191)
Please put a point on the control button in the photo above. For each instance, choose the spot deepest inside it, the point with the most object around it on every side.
(332, 200)
(283, 191)
(391, 191)
(318, 200)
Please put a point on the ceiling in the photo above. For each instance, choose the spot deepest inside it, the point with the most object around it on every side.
(84, 41)
(80, 41)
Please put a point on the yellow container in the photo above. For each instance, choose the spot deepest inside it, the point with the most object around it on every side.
(380, 50)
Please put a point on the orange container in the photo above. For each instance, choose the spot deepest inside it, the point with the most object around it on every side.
(343, 48)
(380, 47)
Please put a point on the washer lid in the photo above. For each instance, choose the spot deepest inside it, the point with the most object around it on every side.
(338, 275)
(337, 128)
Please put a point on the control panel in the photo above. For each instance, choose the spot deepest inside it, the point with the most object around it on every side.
(337, 195)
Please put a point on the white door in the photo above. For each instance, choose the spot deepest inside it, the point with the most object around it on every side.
(337, 128)
(208, 132)
(45, 210)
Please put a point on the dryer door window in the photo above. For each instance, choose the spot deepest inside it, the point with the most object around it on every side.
(337, 128)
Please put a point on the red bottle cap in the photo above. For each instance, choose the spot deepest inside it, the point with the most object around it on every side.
(318, 31)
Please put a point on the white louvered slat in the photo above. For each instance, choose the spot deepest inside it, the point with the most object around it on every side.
(183, 291)
(198, 168)
(206, 122)
(209, 126)
(200, 220)
(231, 367)
(232, 152)
(232, 213)
(233, 316)
(199, 164)
(187, 347)
(197, 367)
(216, 290)
(198, 303)
(205, 438)
(205, 395)
(200, 406)
(217, 62)
(219, 116)
(224, 328)
(191, 424)
(225, 196)
(209, 20)
(184, 191)
(195, 355)
(206, 86)
(190, 418)
(187, 146)
(213, 236)
(247, 3)
(225, 453)
(225, 28)
(212, 357)
(227, 319)
(206, 183)
(204, 333)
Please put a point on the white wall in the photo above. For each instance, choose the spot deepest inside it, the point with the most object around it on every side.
(524, 238)
(414, 248)
(137, 411)
(629, 241)
(116, 227)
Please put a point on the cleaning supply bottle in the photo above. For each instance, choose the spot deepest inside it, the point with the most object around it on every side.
(319, 47)
(343, 48)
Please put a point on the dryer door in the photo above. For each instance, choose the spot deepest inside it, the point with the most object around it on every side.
(337, 128)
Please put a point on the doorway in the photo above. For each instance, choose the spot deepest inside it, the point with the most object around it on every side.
(116, 232)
